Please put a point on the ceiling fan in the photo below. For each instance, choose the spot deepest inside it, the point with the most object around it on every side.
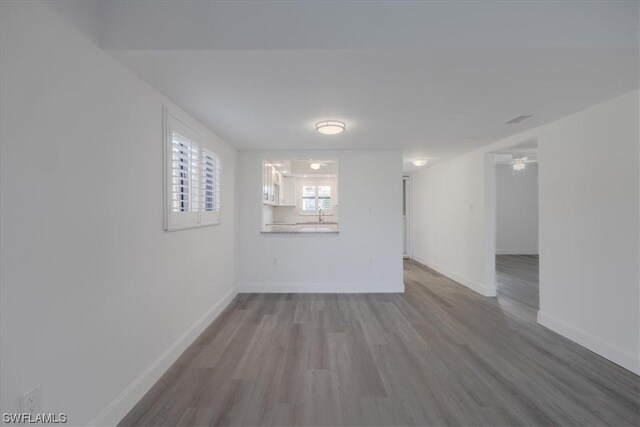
(520, 164)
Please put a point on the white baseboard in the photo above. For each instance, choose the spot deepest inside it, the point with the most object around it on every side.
(592, 342)
(126, 400)
(320, 288)
(517, 251)
(487, 291)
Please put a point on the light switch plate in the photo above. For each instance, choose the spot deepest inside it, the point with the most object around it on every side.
(31, 401)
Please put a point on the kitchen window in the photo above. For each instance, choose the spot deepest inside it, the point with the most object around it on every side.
(316, 197)
(192, 178)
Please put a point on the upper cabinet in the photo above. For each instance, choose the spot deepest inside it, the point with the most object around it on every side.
(271, 183)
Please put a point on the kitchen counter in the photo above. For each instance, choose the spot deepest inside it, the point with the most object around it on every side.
(301, 228)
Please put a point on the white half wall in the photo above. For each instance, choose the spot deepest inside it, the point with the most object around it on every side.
(589, 203)
(516, 210)
(366, 256)
(97, 300)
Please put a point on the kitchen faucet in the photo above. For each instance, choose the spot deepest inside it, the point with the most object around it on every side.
(321, 215)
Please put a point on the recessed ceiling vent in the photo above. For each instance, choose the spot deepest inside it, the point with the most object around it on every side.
(517, 119)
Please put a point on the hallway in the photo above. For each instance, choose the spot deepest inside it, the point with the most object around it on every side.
(440, 354)
(517, 278)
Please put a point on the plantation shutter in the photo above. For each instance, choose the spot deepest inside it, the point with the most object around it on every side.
(192, 178)
(185, 175)
(211, 181)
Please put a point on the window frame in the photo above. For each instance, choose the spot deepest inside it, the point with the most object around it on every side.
(314, 198)
(329, 182)
(196, 216)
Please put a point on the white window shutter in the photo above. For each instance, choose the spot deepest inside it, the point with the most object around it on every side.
(185, 175)
(192, 178)
(210, 181)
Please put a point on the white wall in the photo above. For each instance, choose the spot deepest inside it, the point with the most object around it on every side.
(589, 224)
(448, 220)
(366, 256)
(517, 210)
(93, 290)
(589, 190)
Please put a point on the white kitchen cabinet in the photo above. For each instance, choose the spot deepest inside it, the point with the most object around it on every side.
(268, 182)
(271, 184)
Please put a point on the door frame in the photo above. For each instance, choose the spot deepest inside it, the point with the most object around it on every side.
(490, 213)
(406, 179)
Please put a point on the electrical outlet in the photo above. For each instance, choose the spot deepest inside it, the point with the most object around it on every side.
(275, 261)
(32, 401)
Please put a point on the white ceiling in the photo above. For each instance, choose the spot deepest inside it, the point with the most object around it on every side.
(435, 79)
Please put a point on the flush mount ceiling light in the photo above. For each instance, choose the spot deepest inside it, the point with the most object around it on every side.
(315, 166)
(419, 162)
(330, 127)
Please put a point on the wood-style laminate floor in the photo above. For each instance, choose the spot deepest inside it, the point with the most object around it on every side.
(437, 355)
(517, 277)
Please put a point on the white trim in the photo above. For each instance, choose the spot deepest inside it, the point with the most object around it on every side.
(490, 216)
(463, 280)
(329, 288)
(165, 167)
(126, 400)
(490, 220)
(408, 208)
(188, 226)
(592, 342)
(516, 251)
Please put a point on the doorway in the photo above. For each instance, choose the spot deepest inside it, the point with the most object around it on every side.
(516, 231)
